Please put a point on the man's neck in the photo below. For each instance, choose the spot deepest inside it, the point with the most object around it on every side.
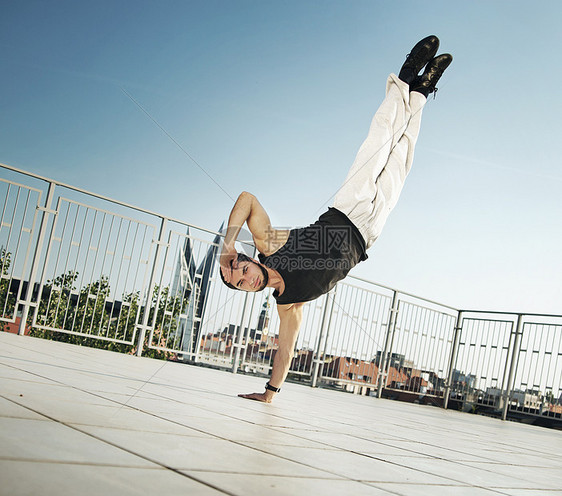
(275, 280)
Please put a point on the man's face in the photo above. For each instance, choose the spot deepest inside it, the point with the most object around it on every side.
(249, 276)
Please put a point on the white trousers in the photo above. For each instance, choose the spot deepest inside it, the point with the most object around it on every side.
(376, 178)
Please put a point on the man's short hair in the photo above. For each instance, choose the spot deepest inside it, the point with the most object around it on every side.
(241, 258)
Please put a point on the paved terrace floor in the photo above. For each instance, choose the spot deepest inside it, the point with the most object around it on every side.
(81, 421)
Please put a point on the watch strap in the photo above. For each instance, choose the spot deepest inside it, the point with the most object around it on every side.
(271, 388)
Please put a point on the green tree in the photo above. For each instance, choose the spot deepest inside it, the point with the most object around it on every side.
(90, 316)
(7, 298)
(56, 308)
(89, 319)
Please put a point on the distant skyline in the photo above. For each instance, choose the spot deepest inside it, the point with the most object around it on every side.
(276, 97)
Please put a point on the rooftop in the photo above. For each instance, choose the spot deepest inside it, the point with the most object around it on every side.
(77, 420)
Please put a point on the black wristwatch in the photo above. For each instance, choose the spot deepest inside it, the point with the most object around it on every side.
(271, 388)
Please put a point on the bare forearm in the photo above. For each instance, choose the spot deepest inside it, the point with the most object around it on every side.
(281, 365)
(238, 216)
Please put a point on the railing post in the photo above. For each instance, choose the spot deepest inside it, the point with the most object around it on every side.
(514, 359)
(146, 314)
(36, 256)
(197, 349)
(452, 360)
(387, 343)
(238, 345)
(323, 336)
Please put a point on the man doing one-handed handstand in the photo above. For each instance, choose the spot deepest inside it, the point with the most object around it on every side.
(303, 264)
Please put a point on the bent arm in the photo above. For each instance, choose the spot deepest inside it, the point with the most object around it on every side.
(247, 209)
(290, 319)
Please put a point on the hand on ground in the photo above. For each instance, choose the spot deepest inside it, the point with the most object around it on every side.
(257, 397)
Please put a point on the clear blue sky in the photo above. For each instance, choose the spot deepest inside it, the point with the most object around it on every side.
(275, 97)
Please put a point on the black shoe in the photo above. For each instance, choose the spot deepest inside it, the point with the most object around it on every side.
(420, 55)
(425, 84)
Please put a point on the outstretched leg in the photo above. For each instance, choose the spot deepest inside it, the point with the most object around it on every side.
(377, 175)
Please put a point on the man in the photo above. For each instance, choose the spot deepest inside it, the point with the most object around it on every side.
(302, 264)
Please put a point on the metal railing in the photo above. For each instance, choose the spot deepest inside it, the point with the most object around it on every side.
(79, 266)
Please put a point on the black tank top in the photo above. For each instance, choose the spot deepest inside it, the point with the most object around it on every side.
(316, 257)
